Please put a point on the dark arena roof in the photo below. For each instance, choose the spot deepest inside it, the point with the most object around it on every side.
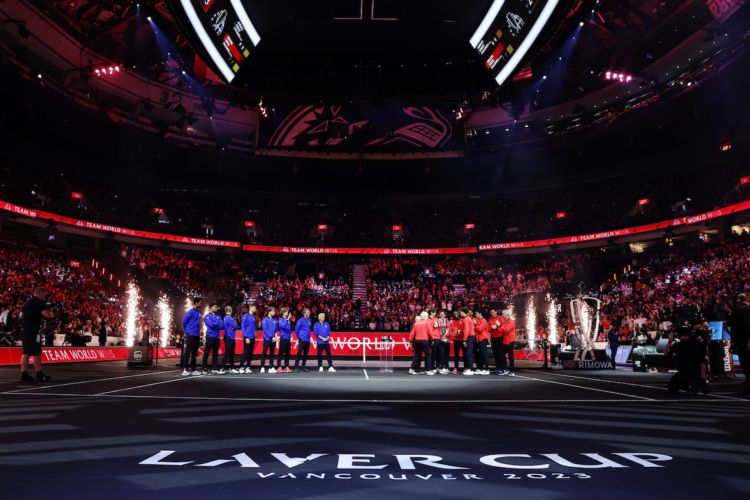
(225, 226)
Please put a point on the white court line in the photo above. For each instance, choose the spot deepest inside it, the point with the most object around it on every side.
(366, 376)
(586, 388)
(340, 378)
(395, 401)
(637, 385)
(141, 386)
(86, 382)
(400, 401)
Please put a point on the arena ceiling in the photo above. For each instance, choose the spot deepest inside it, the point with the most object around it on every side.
(398, 48)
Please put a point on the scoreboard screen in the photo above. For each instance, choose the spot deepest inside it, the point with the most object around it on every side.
(224, 31)
(508, 31)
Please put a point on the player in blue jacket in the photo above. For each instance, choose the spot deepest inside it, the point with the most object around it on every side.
(285, 341)
(270, 326)
(230, 327)
(214, 325)
(248, 338)
(191, 325)
(322, 331)
(302, 329)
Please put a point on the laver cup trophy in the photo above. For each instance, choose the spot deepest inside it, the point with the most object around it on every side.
(585, 314)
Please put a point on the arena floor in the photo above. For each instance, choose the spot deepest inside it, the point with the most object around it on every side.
(101, 429)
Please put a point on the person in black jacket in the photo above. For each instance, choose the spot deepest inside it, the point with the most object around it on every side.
(614, 342)
(739, 323)
(103, 334)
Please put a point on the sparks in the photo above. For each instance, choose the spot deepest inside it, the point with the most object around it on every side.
(552, 321)
(531, 323)
(131, 322)
(165, 314)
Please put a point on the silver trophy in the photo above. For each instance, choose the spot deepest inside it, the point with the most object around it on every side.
(585, 314)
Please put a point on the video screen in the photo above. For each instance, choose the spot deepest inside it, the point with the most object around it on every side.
(508, 31)
(224, 30)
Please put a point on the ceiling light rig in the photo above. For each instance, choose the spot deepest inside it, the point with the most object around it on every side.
(618, 76)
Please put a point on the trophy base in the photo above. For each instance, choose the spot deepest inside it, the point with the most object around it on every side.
(600, 362)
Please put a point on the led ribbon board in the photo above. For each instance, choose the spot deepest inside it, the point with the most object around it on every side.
(508, 31)
(224, 30)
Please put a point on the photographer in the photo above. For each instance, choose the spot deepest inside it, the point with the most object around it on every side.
(32, 313)
(691, 350)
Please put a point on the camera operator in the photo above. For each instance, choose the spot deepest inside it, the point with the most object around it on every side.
(691, 351)
(32, 313)
(739, 323)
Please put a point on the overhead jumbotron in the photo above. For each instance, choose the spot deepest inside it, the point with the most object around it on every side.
(375, 249)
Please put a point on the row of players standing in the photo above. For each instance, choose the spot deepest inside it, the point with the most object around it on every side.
(277, 334)
(471, 335)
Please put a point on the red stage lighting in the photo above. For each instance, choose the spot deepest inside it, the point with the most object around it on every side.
(396, 228)
(561, 215)
(469, 226)
(322, 227)
(157, 211)
(643, 201)
(725, 146)
(249, 223)
(745, 180)
(76, 196)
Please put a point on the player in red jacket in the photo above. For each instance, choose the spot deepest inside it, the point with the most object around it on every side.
(443, 344)
(432, 321)
(482, 329)
(467, 328)
(508, 330)
(420, 341)
(457, 338)
(496, 340)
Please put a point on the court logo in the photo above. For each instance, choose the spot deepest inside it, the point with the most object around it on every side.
(367, 466)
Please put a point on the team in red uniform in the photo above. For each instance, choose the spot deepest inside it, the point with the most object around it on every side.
(482, 329)
(457, 338)
(467, 328)
(420, 336)
(507, 327)
(471, 335)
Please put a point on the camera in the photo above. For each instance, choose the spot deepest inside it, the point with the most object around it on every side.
(55, 306)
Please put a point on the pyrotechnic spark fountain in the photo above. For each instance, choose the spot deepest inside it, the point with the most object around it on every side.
(531, 323)
(165, 314)
(552, 321)
(131, 322)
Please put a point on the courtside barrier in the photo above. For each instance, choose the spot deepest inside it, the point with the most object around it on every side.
(359, 345)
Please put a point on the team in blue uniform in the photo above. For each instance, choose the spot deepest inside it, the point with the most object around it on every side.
(275, 333)
(270, 326)
(285, 341)
(214, 325)
(302, 329)
(191, 326)
(248, 338)
(322, 332)
(230, 327)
